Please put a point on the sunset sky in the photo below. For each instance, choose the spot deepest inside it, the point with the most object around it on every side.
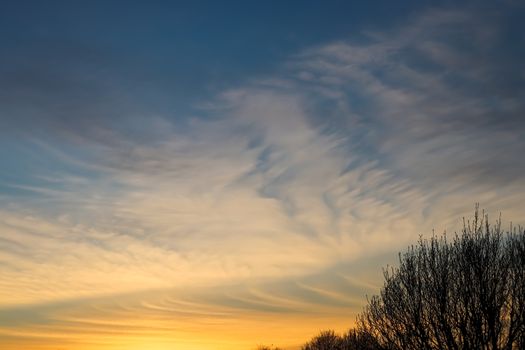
(216, 175)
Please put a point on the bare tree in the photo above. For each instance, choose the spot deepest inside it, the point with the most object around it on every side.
(354, 339)
(326, 340)
(464, 294)
(358, 339)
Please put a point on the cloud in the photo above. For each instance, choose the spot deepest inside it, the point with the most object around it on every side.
(279, 198)
(434, 98)
(173, 316)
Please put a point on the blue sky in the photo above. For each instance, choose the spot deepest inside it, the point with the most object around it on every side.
(174, 54)
(237, 164)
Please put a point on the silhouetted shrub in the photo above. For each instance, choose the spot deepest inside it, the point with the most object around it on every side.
(265, 347)
(465, 294)
(352, 340)
(356, 339)
(326, 340)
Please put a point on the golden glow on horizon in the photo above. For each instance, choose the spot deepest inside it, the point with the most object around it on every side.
(243, 331)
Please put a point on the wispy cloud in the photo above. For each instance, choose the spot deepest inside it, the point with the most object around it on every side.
(340, 159)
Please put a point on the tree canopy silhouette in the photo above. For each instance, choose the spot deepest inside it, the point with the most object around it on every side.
(326, 340)
(352, 340)
(468, 293)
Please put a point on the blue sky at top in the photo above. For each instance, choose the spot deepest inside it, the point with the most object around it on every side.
(168, 54)
(81, 74)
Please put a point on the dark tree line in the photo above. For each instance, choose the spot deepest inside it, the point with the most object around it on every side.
(465, 294)
(352, 340)
(461, 294)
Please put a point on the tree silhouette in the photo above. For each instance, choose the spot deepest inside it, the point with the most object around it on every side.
(266, 347)
(326, 340)
(352, 340)
(358, 339)
(464, 294)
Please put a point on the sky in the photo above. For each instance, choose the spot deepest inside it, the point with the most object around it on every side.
(218, 175)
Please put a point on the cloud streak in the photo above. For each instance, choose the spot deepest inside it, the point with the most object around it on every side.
(279, 198)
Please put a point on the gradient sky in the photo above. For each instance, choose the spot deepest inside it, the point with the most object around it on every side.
(219, 174)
